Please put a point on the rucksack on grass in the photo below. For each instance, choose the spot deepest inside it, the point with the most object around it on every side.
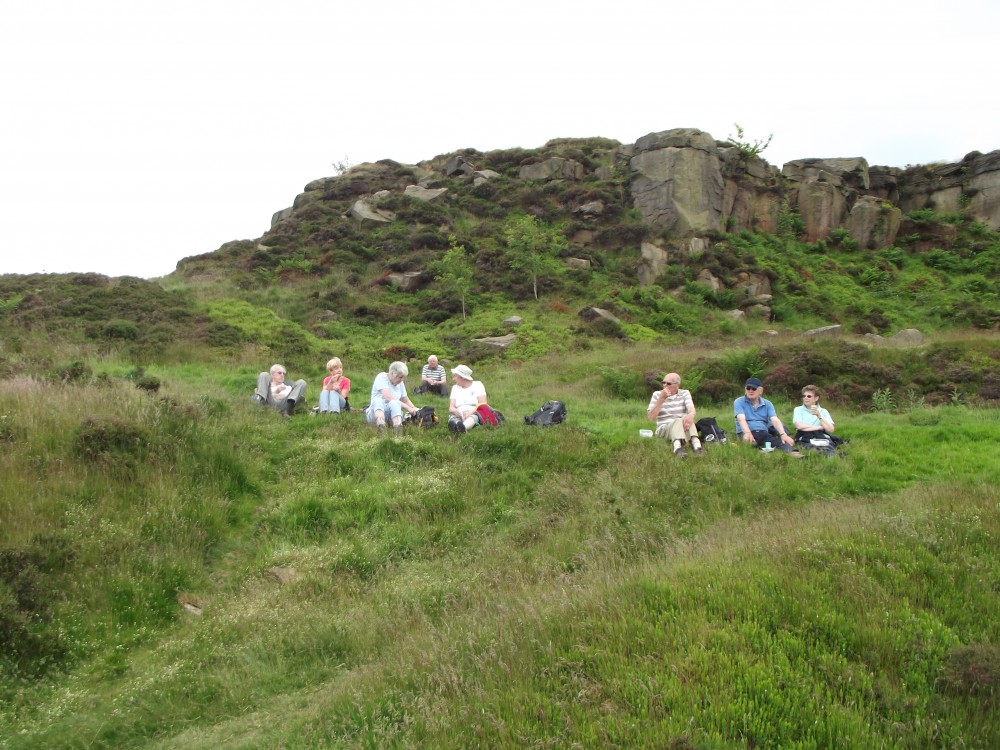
(550, 413)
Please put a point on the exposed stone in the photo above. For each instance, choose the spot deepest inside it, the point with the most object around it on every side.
(929, 236)
(326, 316)
(590, 209)
(850, 172)
(677, 180)
(750, 285)
(379, 196)
(758, 299)
(556, 168)
(281, 575)
(579, 263)
(761, 312)
(822, 207)
(583, 237)
(709, 279)
(654, 260)
(873, 338)
(484, 175)
(873, 223)
(281, 215)
(974, 181)
(696, 245)
(736, 314)
(458, 165)
(599, 313)
(362, 210)
(824, 331)
(424, 194)
(909, 337)
(304, 199)
(498, 343)
(408, 281)
(513, 321)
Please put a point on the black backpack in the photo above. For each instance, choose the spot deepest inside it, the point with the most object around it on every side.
(552, 412)
(710, 431)
(425, 417)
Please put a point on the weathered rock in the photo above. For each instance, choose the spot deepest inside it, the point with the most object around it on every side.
(484, 175)
(929, 236)
(590, 209)
(761, 312)
(873, 338)
(749, 285)
(583, 237)
(822, 207)
(458, 165)
(758, 299)
(677, 180)
(850, 173)
(327, 316)
(599, 313)
(363, 210)
(873, 223)
(498, 343)
(736, 314)
(281, 215)
(424, 194)
(408, 281)
(581, 264)
(696, 245)
(908, 337)
(304, 199)
(709, 279)
(654, 260)
(824, 331)
(556, 168)
(513, 321)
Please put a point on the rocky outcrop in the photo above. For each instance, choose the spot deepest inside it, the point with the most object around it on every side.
(654, 260)
(556, 168)
(873, 223)
(677, 180)
(973, 183)
(424, 194)
(365, 210)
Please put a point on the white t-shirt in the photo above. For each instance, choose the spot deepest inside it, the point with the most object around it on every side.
(467, 399)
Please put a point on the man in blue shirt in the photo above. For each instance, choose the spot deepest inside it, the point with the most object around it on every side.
(756, 420)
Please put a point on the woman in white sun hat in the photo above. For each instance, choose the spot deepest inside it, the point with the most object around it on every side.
(466, 396)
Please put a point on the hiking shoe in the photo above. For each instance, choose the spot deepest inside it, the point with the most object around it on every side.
(258, 399)
(456, 425)
(699, 451)
(679, 452)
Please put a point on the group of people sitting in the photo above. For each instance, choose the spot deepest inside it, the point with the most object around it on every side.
(757, 422)
(672, 407)
(389, 400)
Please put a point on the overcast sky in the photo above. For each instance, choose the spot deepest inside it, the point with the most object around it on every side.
(135, 133)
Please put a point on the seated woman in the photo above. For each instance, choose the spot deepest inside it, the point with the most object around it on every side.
(466, 396)
(811, 420)
(389, 397)
(335, 390)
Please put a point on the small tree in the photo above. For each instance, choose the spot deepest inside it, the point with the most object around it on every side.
(748, 148)
(455, 271)
(532, 247)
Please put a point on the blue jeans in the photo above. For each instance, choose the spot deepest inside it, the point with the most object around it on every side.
(331, 401)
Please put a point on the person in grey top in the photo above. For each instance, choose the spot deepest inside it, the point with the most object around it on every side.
(273, 391)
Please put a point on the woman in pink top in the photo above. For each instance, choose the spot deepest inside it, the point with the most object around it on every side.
(333, 395)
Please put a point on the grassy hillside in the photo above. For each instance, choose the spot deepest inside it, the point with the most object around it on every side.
(506, 588)
(179, 568)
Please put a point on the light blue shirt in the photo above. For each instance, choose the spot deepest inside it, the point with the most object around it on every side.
(758, 418)
(803, 415)
(382, 381)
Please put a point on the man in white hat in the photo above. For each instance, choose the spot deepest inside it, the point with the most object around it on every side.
(466, 396)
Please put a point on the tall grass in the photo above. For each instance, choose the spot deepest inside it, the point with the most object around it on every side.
(510, 587)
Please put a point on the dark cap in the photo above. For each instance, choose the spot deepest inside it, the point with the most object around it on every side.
(753, 383)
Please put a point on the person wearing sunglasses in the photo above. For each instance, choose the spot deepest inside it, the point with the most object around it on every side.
(273, 391)
(673, 411)
(757, 422)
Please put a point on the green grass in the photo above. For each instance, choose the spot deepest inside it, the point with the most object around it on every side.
(520, 586)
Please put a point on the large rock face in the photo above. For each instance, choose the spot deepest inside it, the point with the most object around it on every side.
(974, 181)
(677, 180)
(823, 190)
(873, 223)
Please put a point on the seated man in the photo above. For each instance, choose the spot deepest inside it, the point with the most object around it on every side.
(389, 398)
(433, 378)
(673, 411)
(272, 390)
(757, 422)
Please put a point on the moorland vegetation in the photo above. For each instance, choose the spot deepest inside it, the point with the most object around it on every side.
(180, 568)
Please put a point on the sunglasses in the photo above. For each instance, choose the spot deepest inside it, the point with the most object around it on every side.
(753, 387)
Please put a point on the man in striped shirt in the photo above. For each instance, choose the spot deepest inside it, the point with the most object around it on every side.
(433, 378)
(673, 411)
